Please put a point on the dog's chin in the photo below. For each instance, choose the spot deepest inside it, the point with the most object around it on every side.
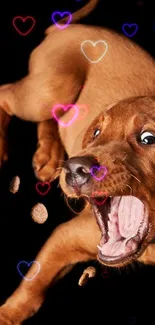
(124, 225)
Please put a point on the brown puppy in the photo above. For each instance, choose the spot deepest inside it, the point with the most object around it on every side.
(122, 138)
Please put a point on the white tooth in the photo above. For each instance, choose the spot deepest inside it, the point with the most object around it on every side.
(109, 233)
(110, 218)
(99, 247)
(109, 224)
(113, 218)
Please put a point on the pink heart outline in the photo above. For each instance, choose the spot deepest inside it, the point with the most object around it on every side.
(43, 184)
(98, 168)
(23, 19)
(64, 108)
(62, 14)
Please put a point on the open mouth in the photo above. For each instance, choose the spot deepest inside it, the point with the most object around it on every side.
(123, 221)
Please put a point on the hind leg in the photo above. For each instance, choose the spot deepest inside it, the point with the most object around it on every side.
(49, 156)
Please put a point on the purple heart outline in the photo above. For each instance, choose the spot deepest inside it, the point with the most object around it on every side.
(98, 168)
(130, 26)
(62, 14)
(28, 264)
(64, 108)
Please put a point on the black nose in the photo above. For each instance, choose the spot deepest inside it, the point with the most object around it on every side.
(78, 170)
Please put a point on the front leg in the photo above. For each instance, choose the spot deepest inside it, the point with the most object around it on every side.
(49, 155)
(72, 242)
(148, 257)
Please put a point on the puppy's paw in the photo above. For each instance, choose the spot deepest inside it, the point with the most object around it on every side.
(48, 159)
(3, 150)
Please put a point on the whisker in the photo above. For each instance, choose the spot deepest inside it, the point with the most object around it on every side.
(124, 158)
(62, 160)
(130, 188)
(56, 176)
(135, 178)
(59, 168)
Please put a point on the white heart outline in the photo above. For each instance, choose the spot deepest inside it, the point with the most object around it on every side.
(94, 44)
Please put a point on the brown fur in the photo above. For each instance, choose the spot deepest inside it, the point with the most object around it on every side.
(56, 76)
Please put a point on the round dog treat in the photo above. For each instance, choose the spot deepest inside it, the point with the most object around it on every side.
(14, 184)
(88, 273)
(39, 213)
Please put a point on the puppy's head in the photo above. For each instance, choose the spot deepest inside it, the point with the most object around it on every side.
(116, 172)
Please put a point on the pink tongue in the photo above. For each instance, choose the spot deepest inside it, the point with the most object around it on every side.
(119, 247)
(129, 213)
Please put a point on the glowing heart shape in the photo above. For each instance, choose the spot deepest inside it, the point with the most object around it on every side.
(61, 14)
(19, 18)
(94, 44)
(28, 265)
(130, 29)
(94, 168)
(44, 187)
(65, 108)
(96, 193)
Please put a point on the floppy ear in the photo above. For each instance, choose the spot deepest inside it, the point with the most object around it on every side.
(7, 98)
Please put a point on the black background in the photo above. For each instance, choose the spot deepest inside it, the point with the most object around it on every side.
(119, 296)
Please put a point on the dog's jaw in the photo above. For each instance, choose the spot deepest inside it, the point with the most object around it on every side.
(123, 229)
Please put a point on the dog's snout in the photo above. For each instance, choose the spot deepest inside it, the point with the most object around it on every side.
(78, 170)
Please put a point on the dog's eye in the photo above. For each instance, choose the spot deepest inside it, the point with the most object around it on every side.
(147, 138)
(96, 133)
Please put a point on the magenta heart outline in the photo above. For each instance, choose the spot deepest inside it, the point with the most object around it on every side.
(23, 20)
(130, 25)
(64, 108)
(98, 168)
(43, 184)
(103, 194)
(62, 14)
(28, 264)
